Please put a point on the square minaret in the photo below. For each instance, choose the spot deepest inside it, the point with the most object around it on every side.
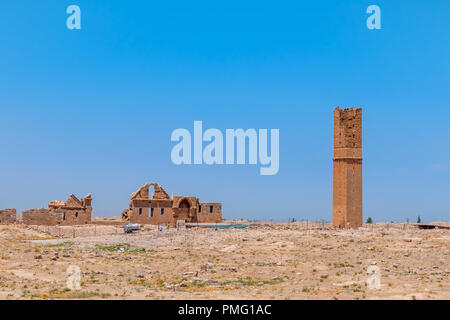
(347, 168)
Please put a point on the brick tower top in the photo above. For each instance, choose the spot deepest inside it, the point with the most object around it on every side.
(347, 128)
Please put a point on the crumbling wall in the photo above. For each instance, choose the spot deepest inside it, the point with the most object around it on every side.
(141, 193)
(73, 211)
(347, 168)
(8, 216)
(159, 193)
(70, 212)
(126, 215)
(161, 209)
(143, 210)
(209, 212)
(151, 211)
(74, 216)
(40, 217)
(161, 213)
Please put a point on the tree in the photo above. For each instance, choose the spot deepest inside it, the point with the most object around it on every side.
(418, 220)
(369, 220)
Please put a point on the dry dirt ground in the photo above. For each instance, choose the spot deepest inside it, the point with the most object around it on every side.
(265, 261)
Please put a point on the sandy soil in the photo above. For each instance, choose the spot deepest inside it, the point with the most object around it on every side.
(266, 261)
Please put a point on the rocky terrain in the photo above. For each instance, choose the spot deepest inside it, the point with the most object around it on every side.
(265, 261)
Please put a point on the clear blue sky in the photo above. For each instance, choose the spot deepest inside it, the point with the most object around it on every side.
(93, 110)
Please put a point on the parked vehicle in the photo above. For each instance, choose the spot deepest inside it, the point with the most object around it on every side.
(130, 228)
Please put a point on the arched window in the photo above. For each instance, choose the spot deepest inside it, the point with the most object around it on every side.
(184, 204)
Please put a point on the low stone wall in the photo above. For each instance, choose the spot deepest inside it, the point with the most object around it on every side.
(8, 216)
(40, 217)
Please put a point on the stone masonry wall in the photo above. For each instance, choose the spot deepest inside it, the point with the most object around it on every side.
(210, 212)
(40, 217)
(347, 168)
(8, 216)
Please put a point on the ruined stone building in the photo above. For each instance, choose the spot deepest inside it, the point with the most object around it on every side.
(347, 168)
(8, 216)
(70, 212)
(161, 209)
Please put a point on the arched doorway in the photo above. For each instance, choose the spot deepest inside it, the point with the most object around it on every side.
(183, 209)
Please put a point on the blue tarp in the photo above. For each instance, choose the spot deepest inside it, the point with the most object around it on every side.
(231, 226)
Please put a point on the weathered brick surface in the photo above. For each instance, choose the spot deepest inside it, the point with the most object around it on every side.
(210, 212)
(70, 212)
(40, 217)
(347, 168)
(8, 216)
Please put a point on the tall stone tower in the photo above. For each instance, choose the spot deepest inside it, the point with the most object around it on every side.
(347, 168)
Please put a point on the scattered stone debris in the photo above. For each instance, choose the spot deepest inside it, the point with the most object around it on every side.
(300, 270)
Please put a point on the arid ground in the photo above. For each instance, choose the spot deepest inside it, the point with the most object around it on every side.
(265, 261)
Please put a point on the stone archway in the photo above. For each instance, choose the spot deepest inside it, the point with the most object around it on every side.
(184, 208)
(184, 204)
